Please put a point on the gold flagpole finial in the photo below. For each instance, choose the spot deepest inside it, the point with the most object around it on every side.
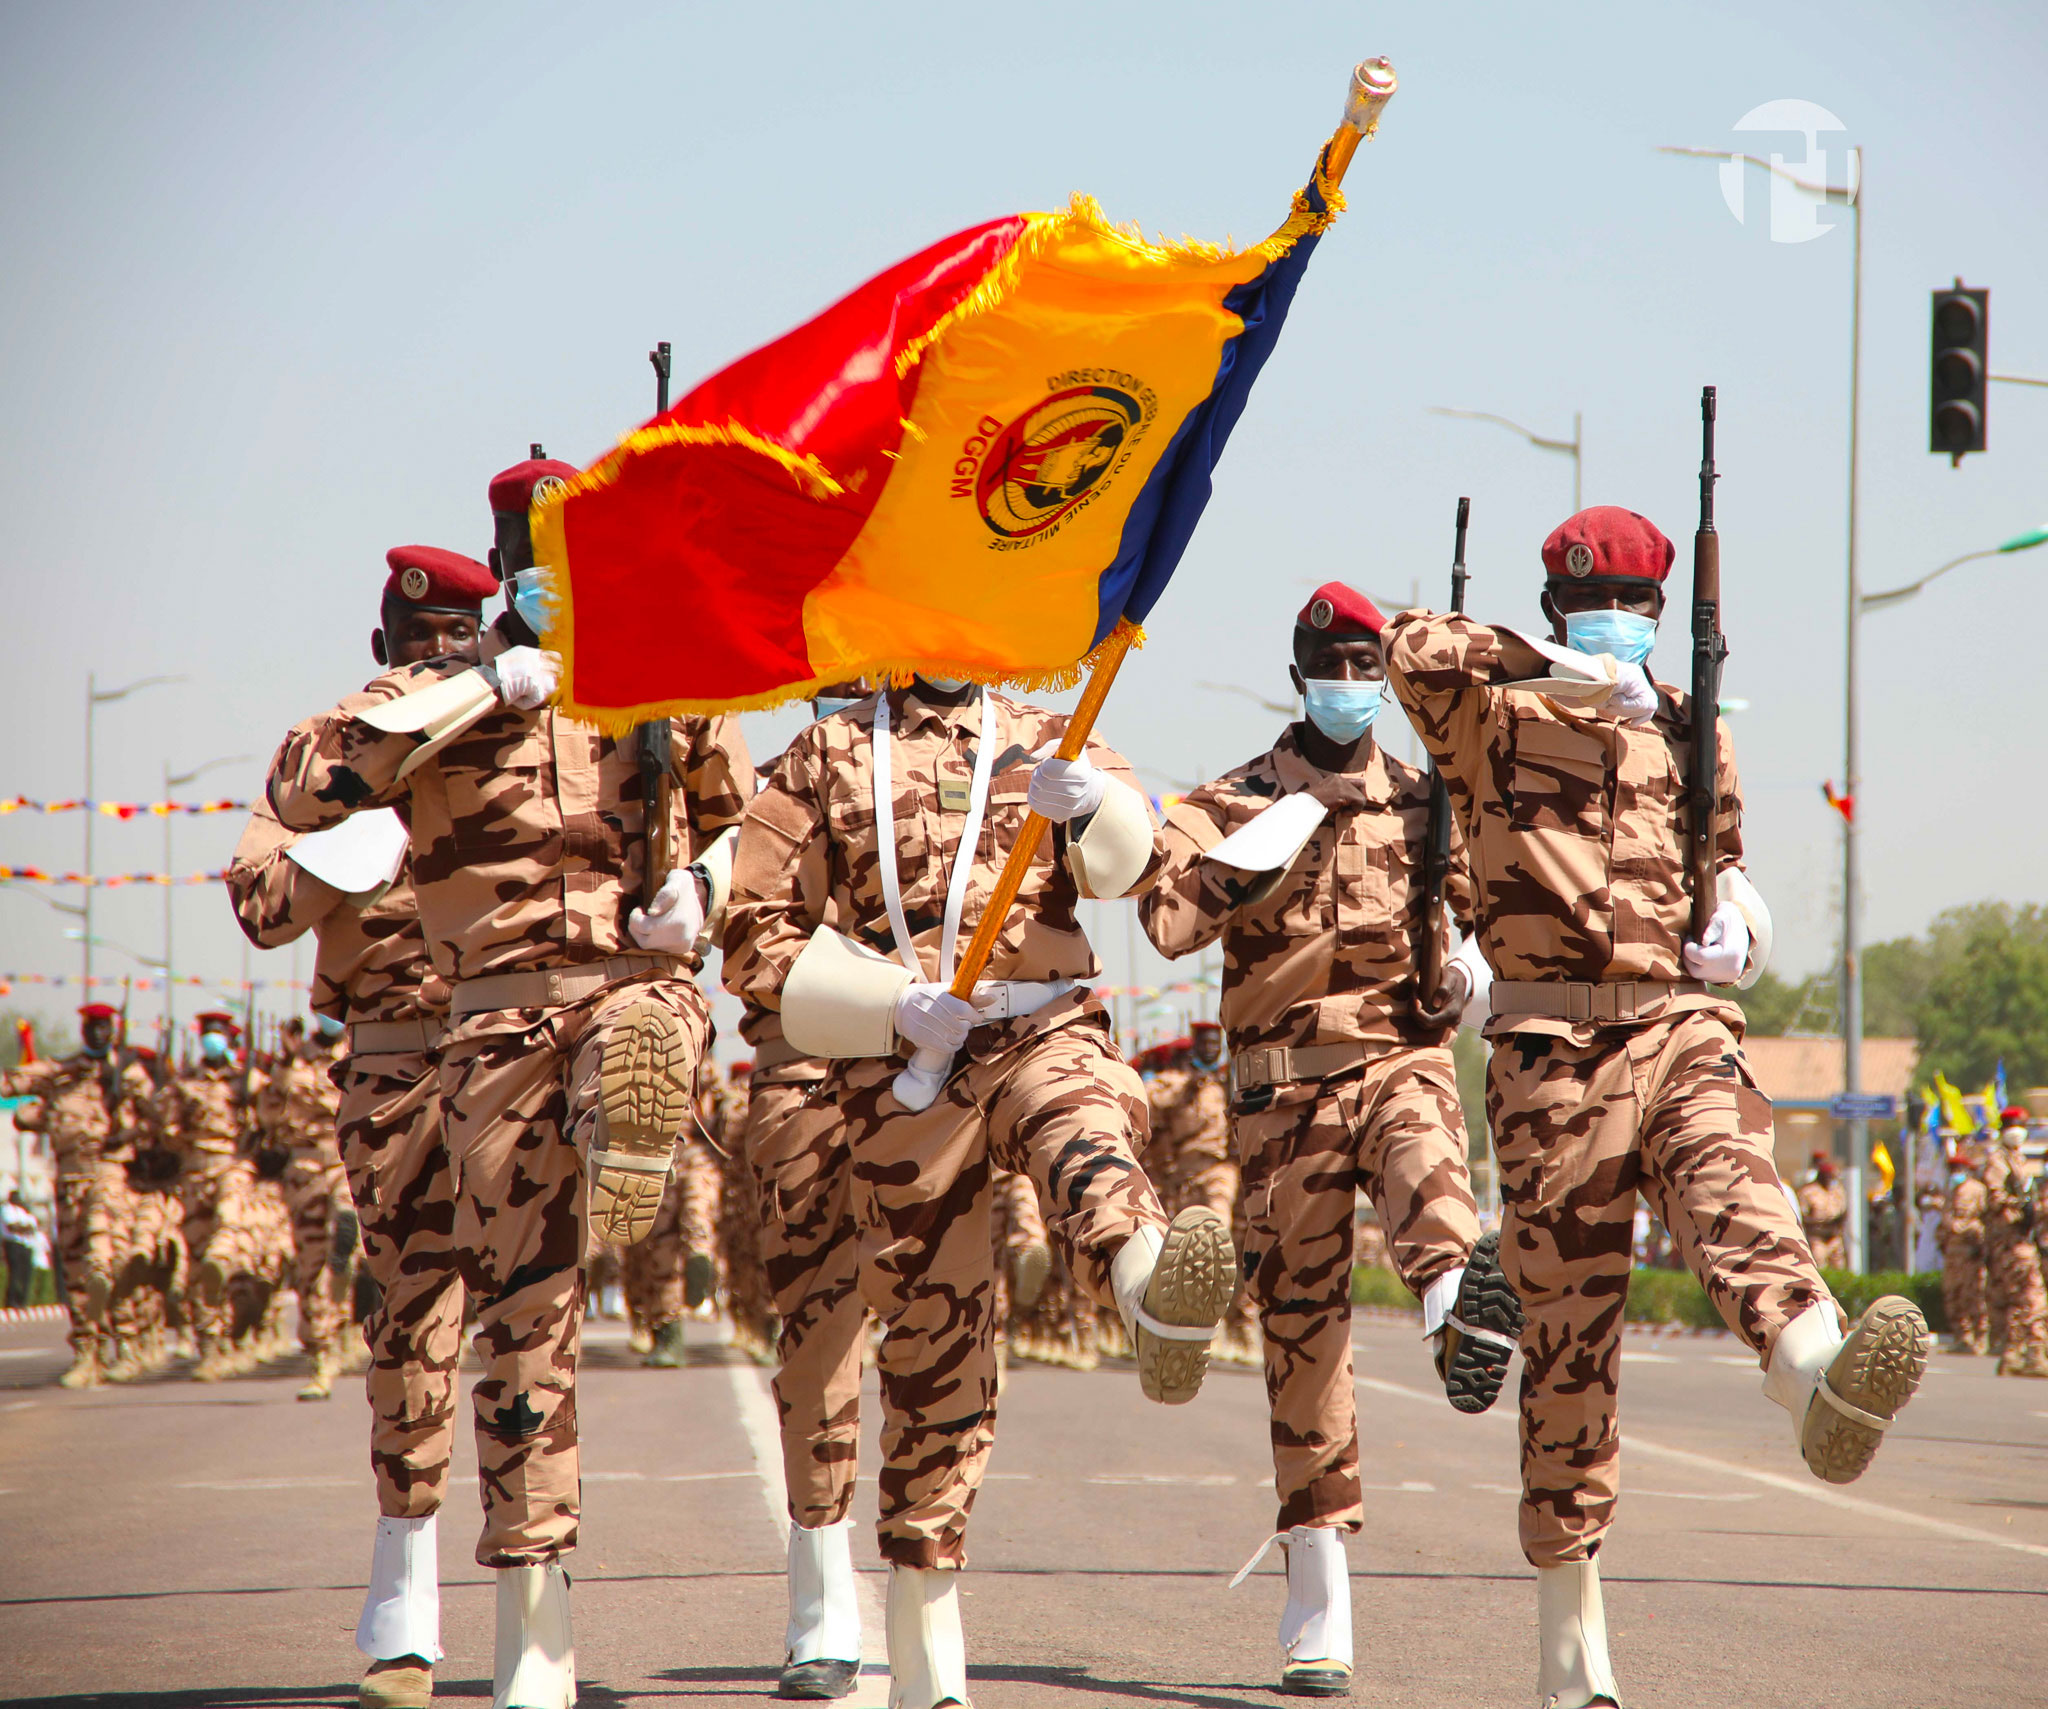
(1372, 86)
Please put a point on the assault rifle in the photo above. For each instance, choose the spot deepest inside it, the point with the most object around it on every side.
(654, 740)
(1709, 648)
(1436, 851)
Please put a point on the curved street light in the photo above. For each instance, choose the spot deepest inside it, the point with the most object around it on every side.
(1573, 447)
(2018, 543)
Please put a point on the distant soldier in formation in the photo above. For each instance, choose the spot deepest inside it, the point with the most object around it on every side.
(1617, 1062)
(1190, 1099)
(296, 1110)
(747, 1295)
(2011, 1256)
(577, 1026)
(1964, 1283)
(1344, 1082)
(82, 1098)
(1824, 1210)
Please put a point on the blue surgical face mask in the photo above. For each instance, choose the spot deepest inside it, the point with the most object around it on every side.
(214, 1046)
(827, 704)
(531, 599)
(329, 1026)
(1342, 710)
(1628, 635)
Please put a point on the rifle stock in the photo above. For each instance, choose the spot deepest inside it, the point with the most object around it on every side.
(1436, 852)
(1709, 648)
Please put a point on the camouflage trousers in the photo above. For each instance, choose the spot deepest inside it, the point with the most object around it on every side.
(519, 1091)
(1395, 1129)
(1062, 1107)
(313, 1182)
(389, 1128)
(2013, 1264)
(747, 1298)
(1217, 1183)
(240, 1222)
(1668, 1109)
(651, 1271)
(84, 1256)
(1964, 1294)
(794, 1143)
(145, 1232)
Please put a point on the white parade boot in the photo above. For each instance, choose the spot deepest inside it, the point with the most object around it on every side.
(1315, 1626)
(1571, 1627)
(927, 1652)
(1172, 1290)
(1844, 1391)
(400, 1626)
(821, 1646)
(535, 1666)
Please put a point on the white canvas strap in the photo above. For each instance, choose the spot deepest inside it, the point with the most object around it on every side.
(963, 857)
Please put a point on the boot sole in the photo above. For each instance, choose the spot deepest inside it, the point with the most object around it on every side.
(399, 1688)
(1877, 1370)
(1027, 1282)
(1324, 1680)
(818, 1682)
(644, 1091)
(1192, 1286)
(1486, 1300)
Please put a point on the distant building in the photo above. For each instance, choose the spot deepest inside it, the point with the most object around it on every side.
(1802, 1076)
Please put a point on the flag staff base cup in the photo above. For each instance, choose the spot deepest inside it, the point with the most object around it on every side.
(917, 1087)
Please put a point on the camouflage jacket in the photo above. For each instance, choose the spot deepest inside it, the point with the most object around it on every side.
(372, 963)
(1962, 1217)
(78, 1119)
(2008, 1190)
(1823, 1209)
(1191, 1110)
(1329, 954)
(201, 1115)
(297, 1105)
(807, 853)
(527, 850)
(1574, 820)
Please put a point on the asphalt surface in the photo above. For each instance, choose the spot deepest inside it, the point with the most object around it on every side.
(173, 1544)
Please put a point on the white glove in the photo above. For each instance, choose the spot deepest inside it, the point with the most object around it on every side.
(932, 1018)
(675, 920)
(528, 677)
(1065, 789)
(1723, 950)
(1634, 697)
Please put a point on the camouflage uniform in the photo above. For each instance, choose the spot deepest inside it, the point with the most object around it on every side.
(1044, 1094)
(227, 1221)
(1340, 1088)
(297, 1109)
(1824, 1212)
(1963, 1279)
(1573, 823)
(747, 1294)
(1191, 1115)
(528, 850)
(80, 1114)
(2014, 1263)
(373, 973)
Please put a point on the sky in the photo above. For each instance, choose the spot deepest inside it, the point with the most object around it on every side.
(285, 286)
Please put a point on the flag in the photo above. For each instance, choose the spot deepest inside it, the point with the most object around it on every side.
(1842, 804)
(1999, 1090)
(1954, 1110)
(979, 464)
(1883, 1161)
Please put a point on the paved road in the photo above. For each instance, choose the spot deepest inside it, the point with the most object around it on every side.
(170, 1544)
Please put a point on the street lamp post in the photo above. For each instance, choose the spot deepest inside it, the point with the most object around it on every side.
(175, 780)
(1573, 447)
(95, 698)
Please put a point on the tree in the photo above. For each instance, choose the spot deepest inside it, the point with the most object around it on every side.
(1986, 995)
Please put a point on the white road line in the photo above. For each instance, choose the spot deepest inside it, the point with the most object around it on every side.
(764, 1435)
(258, 1484)
(29, 1353)
(1628, 1358)
(1194, 1480)
(1695, 1495)
(1811, 1489)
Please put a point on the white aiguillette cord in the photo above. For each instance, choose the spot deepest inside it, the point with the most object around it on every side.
(963, 857)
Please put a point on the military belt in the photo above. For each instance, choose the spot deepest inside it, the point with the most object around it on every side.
(551, 988)
(392, 1038)
(1579, 1000)
(1279, 1063)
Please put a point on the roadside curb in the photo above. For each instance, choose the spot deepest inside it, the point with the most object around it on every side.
(31, 1314)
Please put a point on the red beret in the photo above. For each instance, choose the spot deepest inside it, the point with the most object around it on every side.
(98, 1012)
(2016, 1115)
(1336, 606)
(1205, 1026)
(217, 1021)
(439, 580)
(1607, 541)
(512, 491)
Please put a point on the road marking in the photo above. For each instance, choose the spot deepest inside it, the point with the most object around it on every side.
(1695, 1495)
(29, 1353)
(764, 1436)
(29, 1405)
(1812, 1489)
(1628, 1358)
(1196, 1480)
(1409, 1488)
(257, 1484)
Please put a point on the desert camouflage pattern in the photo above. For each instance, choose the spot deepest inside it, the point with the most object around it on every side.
(297, 1109)
(1327, 955)
(1015, 1226)
(1824, 1212)
(2013, 1263)
(651, 1270)
(372, 962)
(403, 1188)
(1667, 1109)
(1573, 820)
(1196, 1164)
(748, 1297)
(807, 855)
(527, 846)
(796, 1151)
(200, 1119)
(1965, 1286)
(519, 1097)
(1393, 1129)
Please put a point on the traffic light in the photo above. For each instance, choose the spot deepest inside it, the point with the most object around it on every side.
(1962, 324)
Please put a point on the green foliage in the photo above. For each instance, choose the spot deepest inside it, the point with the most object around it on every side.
(1987, 995)
(1673, 1296)
(1772, 1004)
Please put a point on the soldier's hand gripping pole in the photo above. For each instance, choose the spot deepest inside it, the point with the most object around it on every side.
(1372, 86)
(1709, 648)
(654, 748)
(1436, 852)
